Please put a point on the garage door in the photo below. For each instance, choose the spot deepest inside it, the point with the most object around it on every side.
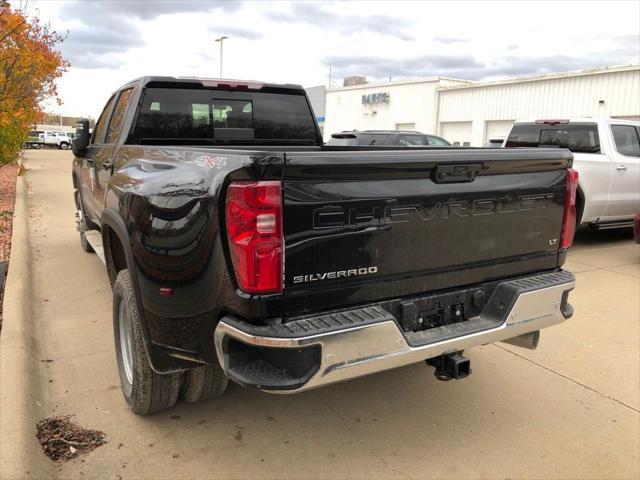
(497, 129)
(458, 133)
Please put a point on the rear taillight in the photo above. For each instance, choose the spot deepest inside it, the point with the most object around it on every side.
(569, 219)
(254, 230)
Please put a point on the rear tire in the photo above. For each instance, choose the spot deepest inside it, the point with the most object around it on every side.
(144, 390)
(204, 383)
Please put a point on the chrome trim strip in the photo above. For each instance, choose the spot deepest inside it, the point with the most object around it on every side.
(363, 350)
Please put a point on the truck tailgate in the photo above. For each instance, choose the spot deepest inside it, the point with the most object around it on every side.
(363, 226)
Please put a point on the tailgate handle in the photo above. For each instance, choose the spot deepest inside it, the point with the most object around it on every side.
(456, 173)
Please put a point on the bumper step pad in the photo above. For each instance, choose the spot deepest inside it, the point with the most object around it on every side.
(258, 372)
(316, 325)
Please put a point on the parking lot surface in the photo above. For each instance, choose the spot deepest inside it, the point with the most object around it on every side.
(569, 409)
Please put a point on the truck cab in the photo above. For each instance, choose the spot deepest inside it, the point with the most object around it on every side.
(606, 154)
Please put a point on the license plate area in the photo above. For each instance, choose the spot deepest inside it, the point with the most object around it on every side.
(447, 308)
(443, 311)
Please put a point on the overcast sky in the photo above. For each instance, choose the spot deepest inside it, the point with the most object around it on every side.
(112, 42)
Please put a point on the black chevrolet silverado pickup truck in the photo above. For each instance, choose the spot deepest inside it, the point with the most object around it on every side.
(240, 247)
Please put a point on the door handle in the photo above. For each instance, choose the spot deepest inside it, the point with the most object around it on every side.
(107, 165)
(621, 167)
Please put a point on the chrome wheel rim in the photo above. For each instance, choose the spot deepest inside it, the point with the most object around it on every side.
(126, 341)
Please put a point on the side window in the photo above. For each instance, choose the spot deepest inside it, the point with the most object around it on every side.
(412, 140)
(101, 125)
(626, 138)
(118, 116)
(372, 139)
(437, 141)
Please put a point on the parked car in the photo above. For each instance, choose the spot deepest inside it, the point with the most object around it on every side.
(606, 154)
(386, 138)
(636, 227)
(57, 139)
(240, 247)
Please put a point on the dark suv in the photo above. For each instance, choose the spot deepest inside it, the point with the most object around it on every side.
(373, 138)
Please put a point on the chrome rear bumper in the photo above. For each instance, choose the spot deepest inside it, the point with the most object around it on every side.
(379, 344)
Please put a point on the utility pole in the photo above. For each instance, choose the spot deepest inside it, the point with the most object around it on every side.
(221, 40)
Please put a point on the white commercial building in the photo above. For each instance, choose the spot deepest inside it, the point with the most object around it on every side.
(400, 105)
(471, 113)
(317, 98)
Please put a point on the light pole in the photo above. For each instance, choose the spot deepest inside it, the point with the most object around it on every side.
(221, 40)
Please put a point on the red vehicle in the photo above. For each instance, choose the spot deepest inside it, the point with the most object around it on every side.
(636, 227)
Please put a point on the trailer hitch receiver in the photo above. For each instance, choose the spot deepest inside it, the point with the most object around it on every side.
(450, 366)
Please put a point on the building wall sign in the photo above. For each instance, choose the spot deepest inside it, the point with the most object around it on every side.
(375, 98)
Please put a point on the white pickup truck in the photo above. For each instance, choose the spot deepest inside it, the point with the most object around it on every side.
(607, 157)
(57, 139)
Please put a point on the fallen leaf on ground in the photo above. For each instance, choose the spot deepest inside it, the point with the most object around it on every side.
(62, 440)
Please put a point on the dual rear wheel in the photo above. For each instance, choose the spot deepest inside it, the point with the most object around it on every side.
(145, 390)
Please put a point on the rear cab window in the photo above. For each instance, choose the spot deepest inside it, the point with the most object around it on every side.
(577, 137)
(203, 116)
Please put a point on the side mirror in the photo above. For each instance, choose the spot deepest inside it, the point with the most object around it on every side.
(81, 138)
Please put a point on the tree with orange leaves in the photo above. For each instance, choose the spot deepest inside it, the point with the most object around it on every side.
(29, 66)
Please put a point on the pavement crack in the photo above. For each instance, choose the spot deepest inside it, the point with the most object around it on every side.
(81, 355)
(620, 402)
(362, 442)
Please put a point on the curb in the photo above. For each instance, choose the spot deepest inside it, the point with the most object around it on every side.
(20, 407)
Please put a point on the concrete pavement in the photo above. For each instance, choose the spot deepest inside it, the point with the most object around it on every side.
(567, 410)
